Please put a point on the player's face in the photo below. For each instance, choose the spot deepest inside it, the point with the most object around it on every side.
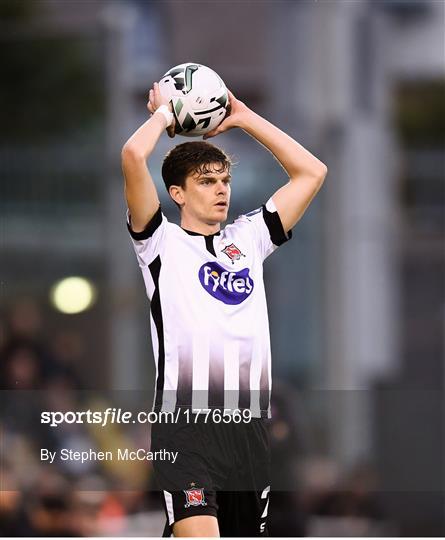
(207, 196)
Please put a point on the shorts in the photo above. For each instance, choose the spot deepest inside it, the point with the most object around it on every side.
(221, 470)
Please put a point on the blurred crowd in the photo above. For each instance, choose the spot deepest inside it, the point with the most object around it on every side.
(40, 372)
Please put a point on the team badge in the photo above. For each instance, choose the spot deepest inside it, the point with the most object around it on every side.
(194, 497)
(233, 253)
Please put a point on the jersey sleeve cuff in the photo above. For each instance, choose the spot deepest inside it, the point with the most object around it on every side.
(273, 223)
(149, 229)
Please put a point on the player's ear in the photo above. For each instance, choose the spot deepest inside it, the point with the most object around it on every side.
(176, 193)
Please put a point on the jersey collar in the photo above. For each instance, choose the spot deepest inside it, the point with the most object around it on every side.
(193, 233)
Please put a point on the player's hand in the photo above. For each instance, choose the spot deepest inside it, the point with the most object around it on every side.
(236, 112)
(155, 100)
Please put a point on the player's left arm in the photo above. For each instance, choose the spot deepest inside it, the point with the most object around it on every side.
(306, 172)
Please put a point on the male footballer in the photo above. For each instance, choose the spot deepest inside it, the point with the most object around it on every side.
(208, 316)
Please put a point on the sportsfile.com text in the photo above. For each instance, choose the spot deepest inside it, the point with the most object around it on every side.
(113, 415)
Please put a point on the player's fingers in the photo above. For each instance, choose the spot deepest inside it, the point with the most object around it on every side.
(212, 133)
(152, 101)
(150, 107)
(157, 96)
(160, 98)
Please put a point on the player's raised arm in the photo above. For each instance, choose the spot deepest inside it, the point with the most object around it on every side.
(140, 191)
(306, 172)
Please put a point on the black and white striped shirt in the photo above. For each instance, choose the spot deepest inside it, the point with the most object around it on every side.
(209, 322)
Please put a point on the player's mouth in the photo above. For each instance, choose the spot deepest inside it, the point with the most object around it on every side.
(221, 204)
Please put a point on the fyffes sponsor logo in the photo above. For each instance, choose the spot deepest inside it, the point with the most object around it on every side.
(228, 287)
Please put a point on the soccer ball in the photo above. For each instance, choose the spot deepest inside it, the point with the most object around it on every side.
(199, 98)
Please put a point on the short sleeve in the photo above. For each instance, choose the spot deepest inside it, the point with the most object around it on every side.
(149, 242)
(267, 227)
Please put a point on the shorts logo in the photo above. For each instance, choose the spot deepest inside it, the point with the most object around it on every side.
(233, 253)
(194, 497)
(229, 287)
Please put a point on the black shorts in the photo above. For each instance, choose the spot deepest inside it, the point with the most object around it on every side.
(221, 470)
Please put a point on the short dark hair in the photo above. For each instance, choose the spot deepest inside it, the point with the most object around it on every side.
(192, 157)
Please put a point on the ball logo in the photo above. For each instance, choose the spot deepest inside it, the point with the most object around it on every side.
(228, 287)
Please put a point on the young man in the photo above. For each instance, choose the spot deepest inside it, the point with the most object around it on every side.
(209, 316)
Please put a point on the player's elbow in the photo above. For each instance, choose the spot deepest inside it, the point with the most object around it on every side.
(320, 175)
(315, 175)
(322, 172)
(130, 153)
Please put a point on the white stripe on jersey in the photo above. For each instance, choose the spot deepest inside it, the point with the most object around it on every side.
(231, 374)
(200, 376)
(171, 378)
(155, 345)
(269, 371)
(255, 378)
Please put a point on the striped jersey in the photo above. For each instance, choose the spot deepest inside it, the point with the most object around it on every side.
(208, 312)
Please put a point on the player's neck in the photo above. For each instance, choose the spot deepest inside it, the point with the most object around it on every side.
(200, 227)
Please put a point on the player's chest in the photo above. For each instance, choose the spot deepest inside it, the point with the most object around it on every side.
(227, 269)
(230, 253)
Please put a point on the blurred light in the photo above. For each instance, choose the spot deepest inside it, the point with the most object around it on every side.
(73, 295)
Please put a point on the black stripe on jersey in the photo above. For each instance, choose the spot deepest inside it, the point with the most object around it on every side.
(276, 231)
(216, 375)
(150, 228)
(184, 393)
(209, 244)
(155, 307)
(244, 384)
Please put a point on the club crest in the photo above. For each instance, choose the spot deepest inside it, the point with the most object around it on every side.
(194, 497)
(233, 253)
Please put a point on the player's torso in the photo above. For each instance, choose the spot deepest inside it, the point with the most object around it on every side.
(211, 284)
(209, 314)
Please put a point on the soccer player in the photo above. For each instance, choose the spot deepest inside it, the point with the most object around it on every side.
(209, 322)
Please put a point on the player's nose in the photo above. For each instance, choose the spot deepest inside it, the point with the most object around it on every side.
(221, 187)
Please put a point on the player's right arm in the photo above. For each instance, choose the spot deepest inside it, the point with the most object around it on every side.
(140, 190)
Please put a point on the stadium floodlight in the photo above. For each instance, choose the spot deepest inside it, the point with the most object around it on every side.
(73, 295)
